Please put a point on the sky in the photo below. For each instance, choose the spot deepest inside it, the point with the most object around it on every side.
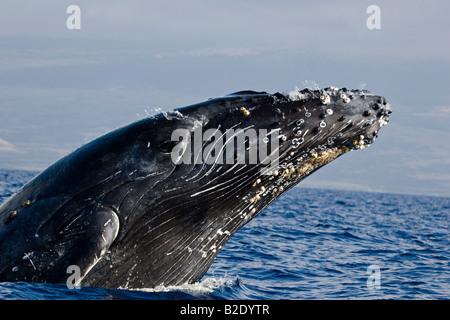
(61, 87)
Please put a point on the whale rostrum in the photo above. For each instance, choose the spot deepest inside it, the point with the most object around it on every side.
(154, 202)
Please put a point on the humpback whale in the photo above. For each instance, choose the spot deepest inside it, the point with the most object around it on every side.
(141, 207)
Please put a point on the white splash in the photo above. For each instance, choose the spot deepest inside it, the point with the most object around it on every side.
(207, 286)
(172, 114)
(295, 95)
(311, 85)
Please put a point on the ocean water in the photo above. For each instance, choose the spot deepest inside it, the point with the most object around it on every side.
(309, 244)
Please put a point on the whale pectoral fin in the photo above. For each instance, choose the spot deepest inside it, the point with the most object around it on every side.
(79, 244)
(89, 236)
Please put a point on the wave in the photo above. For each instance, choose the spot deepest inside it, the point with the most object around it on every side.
(211, 287)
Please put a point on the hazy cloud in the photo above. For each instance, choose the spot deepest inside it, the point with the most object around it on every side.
(438, 112)
(6, 146)
(195, 26)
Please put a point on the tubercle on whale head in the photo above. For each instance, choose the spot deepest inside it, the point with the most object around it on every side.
(316, 127)
(307, 121)
(348, 119)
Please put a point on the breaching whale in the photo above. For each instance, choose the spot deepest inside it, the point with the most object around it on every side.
(143, 206)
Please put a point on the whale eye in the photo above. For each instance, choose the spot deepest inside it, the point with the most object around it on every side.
(167, 146)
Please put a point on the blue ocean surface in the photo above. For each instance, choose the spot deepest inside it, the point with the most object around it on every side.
(309, 244)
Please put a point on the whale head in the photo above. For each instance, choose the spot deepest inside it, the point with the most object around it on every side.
(298, 130)
(222, 162)
(154, 202)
